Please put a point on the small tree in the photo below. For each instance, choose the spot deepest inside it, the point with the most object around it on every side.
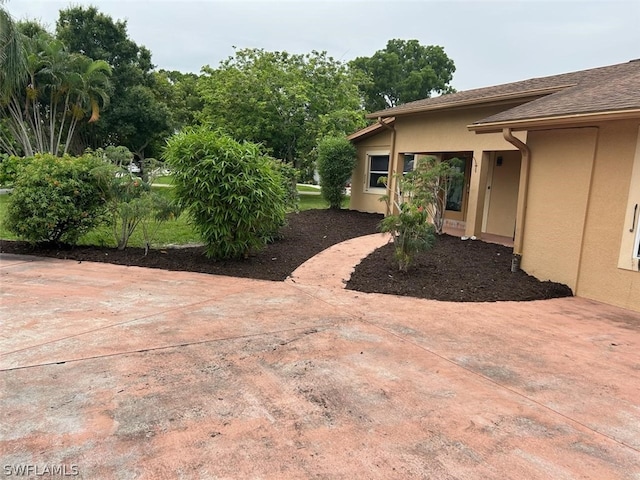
(233, 191)
(129, 200)
(428, 185)
(336, 161)
(421, 195)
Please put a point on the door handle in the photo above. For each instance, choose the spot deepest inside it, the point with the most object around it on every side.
(633, 219)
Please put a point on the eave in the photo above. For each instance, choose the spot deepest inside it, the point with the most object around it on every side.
(578, 119)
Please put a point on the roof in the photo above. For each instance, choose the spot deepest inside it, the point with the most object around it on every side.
(372, 129)
(612, 88)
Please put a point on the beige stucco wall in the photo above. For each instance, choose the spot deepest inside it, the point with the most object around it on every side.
(599, 276)
(434, 132)
(578, 191)
(560, 172)
(503, 197)
(362, 200)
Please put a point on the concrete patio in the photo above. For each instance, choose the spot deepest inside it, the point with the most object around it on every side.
(124, 372)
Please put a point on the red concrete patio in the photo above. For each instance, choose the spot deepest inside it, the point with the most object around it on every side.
(124, 372)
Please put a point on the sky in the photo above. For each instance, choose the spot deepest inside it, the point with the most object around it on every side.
(490, 42)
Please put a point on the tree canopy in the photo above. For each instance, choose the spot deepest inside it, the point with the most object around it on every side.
(284, 101)
(135, 110)
(56, 92)
(403, 72)
(12, 58)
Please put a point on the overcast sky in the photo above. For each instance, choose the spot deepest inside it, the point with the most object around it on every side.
(491, 42)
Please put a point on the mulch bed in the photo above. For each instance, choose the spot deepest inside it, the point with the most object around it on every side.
(453, 270)
(306, 234)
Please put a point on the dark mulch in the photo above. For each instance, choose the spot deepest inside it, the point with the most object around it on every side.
(453, 270)
(307, 233)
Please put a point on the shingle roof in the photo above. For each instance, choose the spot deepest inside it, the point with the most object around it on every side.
(610, 88)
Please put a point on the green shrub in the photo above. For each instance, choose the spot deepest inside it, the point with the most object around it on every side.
(412, 233)
(128, 198)
(232, 191)
(290, 177)
(336, 161)
(9, 167)
(55, 199)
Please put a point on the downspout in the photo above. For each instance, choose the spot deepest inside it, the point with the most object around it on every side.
(392, 156)
(522, 196)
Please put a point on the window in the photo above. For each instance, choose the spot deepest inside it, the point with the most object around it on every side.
(409, 163)
(378, 167)
(455, 194)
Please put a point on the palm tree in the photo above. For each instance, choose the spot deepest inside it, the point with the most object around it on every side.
(60, 90)
(12, 58)
(88, 85)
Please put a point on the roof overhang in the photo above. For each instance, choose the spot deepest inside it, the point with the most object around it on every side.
(472, 102)
(578, 119)
(373, 129)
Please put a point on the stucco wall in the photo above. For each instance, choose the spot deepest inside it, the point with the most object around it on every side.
(599, 277)
(360, 199)
(578, 191)
(431, 132)
(501, 212)
(559, 179)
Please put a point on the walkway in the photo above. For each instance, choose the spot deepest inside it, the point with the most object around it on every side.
(125, 372)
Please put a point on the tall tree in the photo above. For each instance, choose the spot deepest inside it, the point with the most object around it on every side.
(12, 55)
(403, 72)
(179, 91)
(284, 101)
(59, 91)
(91, 33)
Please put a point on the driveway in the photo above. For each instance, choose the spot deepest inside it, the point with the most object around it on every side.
(125, 372)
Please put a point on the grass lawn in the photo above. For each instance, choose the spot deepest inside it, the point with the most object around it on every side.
(177, 232)
(168, 180)
(307, 188)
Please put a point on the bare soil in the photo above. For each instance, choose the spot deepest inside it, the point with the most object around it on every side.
(453, 270)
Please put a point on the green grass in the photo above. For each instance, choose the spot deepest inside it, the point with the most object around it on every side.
(307, 188)
(163, 180)
(4, 233)
(176, 232)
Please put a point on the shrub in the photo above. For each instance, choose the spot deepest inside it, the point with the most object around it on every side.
(429, 184)
(336, 161)
(128, 198)
(9, 167)
(419, 205)
(55, 199)
(412, 233)
(232, 191)
(290, 177)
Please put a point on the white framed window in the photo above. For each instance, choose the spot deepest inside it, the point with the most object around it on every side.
(377, 167)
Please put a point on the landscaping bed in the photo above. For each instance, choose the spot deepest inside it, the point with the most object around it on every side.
(453, 270)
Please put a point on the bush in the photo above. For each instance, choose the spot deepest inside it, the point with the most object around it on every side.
(9, 167)
(128, 198)
(336, 161)
(290, 177)
(55, 199)
(412, 233)
(232, 191)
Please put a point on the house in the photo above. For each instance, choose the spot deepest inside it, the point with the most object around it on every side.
(551, 164)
